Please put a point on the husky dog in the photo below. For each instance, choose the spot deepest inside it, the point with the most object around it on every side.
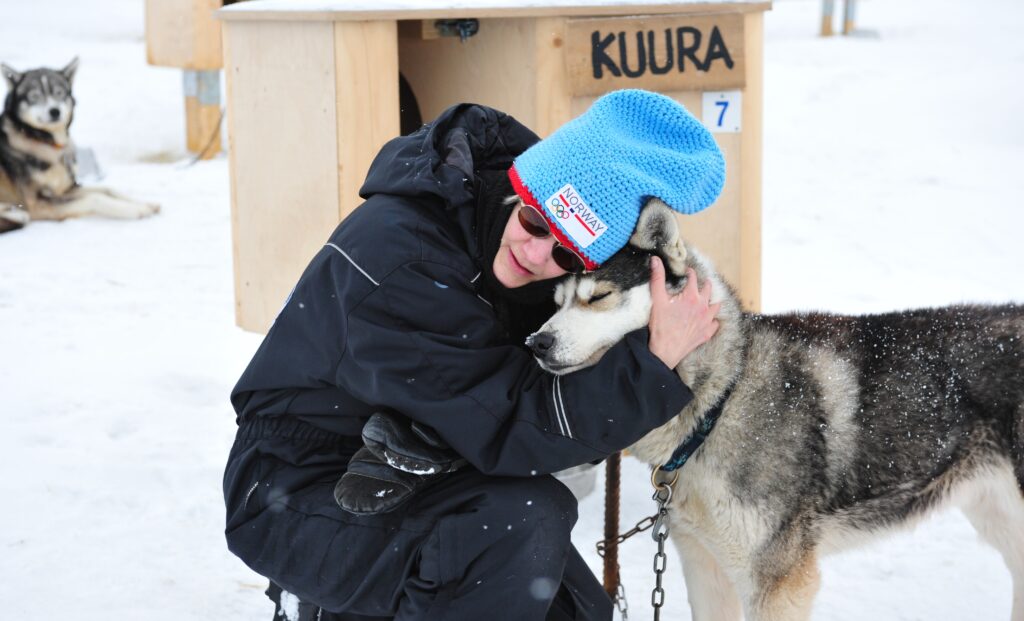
(37, 158)
(832, 429)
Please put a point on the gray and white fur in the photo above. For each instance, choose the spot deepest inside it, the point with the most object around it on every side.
(37, 157)
(837, 430)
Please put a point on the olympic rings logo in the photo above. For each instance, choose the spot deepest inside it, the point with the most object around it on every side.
(560, 211)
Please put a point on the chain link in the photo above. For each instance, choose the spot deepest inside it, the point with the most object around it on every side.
(662, 495)
(620, 599)
(620, 591)
(658, 593)
(640, 527)
(659, 523)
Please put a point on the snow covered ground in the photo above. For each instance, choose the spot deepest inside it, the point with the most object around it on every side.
(892, 180)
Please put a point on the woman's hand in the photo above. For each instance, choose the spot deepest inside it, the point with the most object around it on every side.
(679, 323)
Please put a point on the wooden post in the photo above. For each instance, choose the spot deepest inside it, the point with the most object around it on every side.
(185, 34)
(314, 118)
(827, 9)
(849, 16)
(366, 63)
(751, 149)
(202, 112)
(611, 523)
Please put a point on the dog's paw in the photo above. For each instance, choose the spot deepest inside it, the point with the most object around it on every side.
(144, 210)
(12, 217)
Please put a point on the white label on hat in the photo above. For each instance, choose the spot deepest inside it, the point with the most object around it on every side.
(723, 111)
(566, 207)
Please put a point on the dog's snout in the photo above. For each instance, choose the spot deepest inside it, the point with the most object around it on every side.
(541, 343)
(54, 114)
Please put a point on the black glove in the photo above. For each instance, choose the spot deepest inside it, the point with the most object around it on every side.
(409, 446)
(371, 486)
(399, 458)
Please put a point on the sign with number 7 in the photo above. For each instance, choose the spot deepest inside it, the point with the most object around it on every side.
(722, 111)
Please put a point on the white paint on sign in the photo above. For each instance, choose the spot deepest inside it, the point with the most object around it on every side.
(722, 111)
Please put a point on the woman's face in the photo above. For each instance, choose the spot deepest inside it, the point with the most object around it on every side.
(523, 258)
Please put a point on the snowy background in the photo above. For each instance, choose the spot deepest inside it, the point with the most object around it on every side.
(894, 171)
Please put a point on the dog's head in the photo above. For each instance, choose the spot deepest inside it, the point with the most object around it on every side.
(41, 98)
(598, 309)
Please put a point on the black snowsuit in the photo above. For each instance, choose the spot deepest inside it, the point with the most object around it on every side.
(392, 314)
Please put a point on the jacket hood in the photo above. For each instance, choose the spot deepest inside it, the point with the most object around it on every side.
(442, 159)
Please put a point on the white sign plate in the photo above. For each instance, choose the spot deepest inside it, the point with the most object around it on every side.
(722, 111)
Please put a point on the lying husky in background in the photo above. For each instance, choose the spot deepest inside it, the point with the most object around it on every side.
(834, 429)
(37, 158)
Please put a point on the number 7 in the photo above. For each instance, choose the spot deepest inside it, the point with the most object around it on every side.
(721, 116)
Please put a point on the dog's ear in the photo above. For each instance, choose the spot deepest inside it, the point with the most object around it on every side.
(70, 69)
(12, 76)
(657, 231)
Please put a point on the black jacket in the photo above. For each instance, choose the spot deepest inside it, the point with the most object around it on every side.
(391, 314)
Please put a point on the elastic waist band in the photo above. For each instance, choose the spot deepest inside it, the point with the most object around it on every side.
(258, 427)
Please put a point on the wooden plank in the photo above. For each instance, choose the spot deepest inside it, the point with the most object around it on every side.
(658, 53)
(297, 10)
(233, 173)
(202, 112)
(202, 128)
(493, 68)
(208, 39)
(284, 149)
(418, 29)
(752, 145)
(552, 100)
(193, 125)
(366, 80)
(183, 33)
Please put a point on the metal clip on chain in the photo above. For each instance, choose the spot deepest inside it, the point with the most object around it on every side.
(659, 523)
(662, 495)
(620, 601)
(620, 589)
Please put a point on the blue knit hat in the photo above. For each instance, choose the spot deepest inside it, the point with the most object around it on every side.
(594, 173)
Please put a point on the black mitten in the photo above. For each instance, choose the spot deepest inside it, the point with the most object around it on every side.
(371, 486)
(409, 446)
(399, 457)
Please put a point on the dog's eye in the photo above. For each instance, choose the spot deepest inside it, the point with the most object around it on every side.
(598, 297)
(58, 93)
(34, 96)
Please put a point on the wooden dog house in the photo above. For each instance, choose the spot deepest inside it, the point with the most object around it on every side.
(314, 90)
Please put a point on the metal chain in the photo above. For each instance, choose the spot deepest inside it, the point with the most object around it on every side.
(659, 522)
(620, 591)
(640, 527)
(662, 495)
(620, 599)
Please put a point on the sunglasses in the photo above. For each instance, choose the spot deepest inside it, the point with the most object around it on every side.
(534, 223)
